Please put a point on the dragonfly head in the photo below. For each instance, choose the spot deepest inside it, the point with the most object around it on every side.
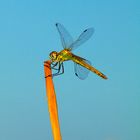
(53, 56)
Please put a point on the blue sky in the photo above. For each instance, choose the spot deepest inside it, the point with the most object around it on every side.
(90, 109)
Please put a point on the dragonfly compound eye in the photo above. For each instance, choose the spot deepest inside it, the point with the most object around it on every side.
(53, 55)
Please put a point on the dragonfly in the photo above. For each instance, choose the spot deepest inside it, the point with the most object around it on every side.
(82, 66)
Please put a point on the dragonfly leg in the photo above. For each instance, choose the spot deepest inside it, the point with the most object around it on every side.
(52, 67)
(59, 72)
(60, 66)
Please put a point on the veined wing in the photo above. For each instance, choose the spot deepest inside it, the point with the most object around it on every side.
(80, 71)
(85, 35)
(66, 38)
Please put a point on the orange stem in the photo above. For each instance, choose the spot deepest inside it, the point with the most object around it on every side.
(52, 101)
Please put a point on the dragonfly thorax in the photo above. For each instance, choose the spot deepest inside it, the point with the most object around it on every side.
(53, 55)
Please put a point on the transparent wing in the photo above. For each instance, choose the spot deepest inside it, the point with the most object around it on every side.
(66, 38)
(85, 35)
(80, 71)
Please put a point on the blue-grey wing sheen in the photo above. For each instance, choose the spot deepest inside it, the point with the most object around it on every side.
(85, 35)
(66, 38)
(80, 71)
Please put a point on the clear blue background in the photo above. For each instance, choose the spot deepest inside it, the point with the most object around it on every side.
(93, 109)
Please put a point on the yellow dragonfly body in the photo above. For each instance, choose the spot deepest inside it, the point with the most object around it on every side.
(81, 65)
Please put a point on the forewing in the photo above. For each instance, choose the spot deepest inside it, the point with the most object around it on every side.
(80, 71)
(85, 35)
(66, 38)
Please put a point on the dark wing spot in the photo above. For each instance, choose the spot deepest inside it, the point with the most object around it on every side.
(76, 74)
(85, 30)
(56, 24)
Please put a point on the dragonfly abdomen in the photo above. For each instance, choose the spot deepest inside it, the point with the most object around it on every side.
(82, 62)
(98, 72)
